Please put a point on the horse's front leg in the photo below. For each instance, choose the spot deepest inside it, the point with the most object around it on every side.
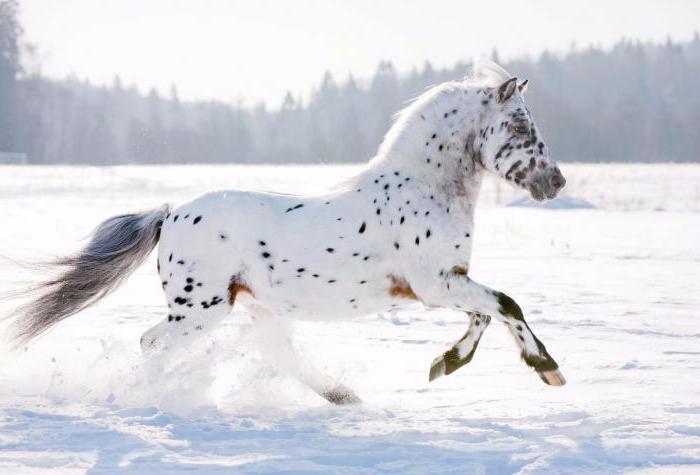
(463, 350)
(457, 291)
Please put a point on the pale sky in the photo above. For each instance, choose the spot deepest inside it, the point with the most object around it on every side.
(258, 49)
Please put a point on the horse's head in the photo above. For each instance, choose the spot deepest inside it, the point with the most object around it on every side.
(510, 145)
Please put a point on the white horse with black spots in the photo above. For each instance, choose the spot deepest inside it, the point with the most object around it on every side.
(399, 232)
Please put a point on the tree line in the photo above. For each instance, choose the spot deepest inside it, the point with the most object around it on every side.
(636, 102)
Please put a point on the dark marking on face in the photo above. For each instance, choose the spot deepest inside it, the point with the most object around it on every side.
(294, 207)
(512, 168)
(196, 220)
(362, 228)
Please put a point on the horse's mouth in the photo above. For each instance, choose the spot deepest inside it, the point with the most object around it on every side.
(537, 194)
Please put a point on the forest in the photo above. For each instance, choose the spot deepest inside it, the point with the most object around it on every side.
(634, 102)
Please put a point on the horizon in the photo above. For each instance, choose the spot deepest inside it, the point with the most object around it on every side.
(63, 53)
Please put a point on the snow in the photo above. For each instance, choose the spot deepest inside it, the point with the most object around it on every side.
(562, 202)
(611, 290)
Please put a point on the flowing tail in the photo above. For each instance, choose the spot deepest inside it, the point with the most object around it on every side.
(116, 248)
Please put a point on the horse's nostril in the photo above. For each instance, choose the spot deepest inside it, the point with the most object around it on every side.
(557, 181)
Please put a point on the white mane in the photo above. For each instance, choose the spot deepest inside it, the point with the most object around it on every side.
(484, 74)
(487, 73)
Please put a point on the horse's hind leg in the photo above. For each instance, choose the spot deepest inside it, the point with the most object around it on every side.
(274, 340)
(192, 312)
(180, 328)
(463, 350)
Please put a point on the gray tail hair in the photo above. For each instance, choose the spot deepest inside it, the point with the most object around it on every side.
(116, 248)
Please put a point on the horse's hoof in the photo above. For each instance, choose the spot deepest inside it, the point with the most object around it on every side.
(437, 368)
(553, 377)
(341, 396)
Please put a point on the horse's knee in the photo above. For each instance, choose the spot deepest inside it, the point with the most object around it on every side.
(508, 307)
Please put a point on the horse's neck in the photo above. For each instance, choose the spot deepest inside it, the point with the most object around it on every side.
(431, 151)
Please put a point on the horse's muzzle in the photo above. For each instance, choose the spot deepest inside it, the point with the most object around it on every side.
(546, 184)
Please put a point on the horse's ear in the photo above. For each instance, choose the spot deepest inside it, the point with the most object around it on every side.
(506, 90)
(522, 87)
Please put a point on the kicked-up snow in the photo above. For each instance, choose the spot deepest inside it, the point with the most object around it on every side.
(612, 290)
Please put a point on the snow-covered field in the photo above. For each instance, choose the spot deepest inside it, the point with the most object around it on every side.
(613, 291)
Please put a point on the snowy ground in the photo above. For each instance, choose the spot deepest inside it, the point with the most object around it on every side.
(612, 291)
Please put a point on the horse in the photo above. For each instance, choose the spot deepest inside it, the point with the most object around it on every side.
(398, 233)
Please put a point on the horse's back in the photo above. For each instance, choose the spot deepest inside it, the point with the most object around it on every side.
(298, 255)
